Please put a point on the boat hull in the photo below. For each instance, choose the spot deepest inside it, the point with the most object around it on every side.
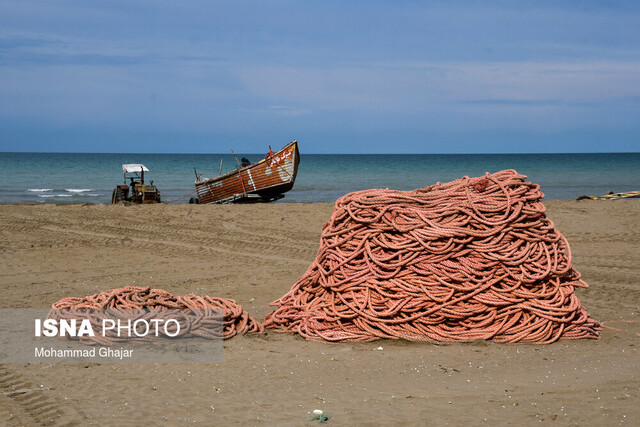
(263, 181)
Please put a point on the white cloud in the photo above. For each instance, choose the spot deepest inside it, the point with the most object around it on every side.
(425, 86)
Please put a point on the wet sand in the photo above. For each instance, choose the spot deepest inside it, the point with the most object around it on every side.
(253, 254)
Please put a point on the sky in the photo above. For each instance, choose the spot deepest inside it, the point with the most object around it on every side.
(338, 76)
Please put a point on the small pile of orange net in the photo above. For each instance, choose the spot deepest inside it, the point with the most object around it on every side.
(196, 312)
(475, 258)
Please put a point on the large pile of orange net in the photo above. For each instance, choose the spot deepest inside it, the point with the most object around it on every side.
(475, 258)
(196, 312)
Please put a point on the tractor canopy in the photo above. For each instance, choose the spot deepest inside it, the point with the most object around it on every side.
(134, 167)
(135, 171)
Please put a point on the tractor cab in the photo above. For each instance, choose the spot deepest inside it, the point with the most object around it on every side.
(134, 189)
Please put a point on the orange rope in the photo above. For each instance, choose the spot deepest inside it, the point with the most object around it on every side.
(475, 258)
(180, 198)
(242, 183)
(606, 326)
(198, 323)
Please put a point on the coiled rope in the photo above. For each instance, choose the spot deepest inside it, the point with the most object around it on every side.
(197, 315)
(474, 258)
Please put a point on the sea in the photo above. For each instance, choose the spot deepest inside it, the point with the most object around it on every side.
(91, 177)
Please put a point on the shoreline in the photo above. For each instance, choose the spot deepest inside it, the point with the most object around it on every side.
(18, 203)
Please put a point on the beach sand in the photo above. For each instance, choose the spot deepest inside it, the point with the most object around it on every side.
(254, 254)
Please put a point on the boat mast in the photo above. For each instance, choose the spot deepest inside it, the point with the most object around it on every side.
(234, 155)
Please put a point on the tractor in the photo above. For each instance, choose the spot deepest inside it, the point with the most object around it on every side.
(135, 191)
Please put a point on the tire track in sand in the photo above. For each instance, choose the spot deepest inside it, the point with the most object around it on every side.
(24, 403)
(146, 242)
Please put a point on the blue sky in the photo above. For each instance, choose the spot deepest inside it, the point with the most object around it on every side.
(341, 77)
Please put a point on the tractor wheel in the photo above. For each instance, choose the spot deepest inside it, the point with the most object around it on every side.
(117, 196)
(194, 200)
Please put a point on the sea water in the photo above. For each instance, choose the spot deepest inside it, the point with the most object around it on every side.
(91, 177)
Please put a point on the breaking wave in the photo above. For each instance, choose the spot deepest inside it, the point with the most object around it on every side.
(78, 190)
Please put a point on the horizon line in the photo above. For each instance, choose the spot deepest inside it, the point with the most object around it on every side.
(326, 154)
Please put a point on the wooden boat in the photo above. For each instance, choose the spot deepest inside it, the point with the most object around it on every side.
(263, 181)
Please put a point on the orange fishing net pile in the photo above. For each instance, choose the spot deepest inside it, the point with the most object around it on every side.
(197, 315)
(474, 258)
